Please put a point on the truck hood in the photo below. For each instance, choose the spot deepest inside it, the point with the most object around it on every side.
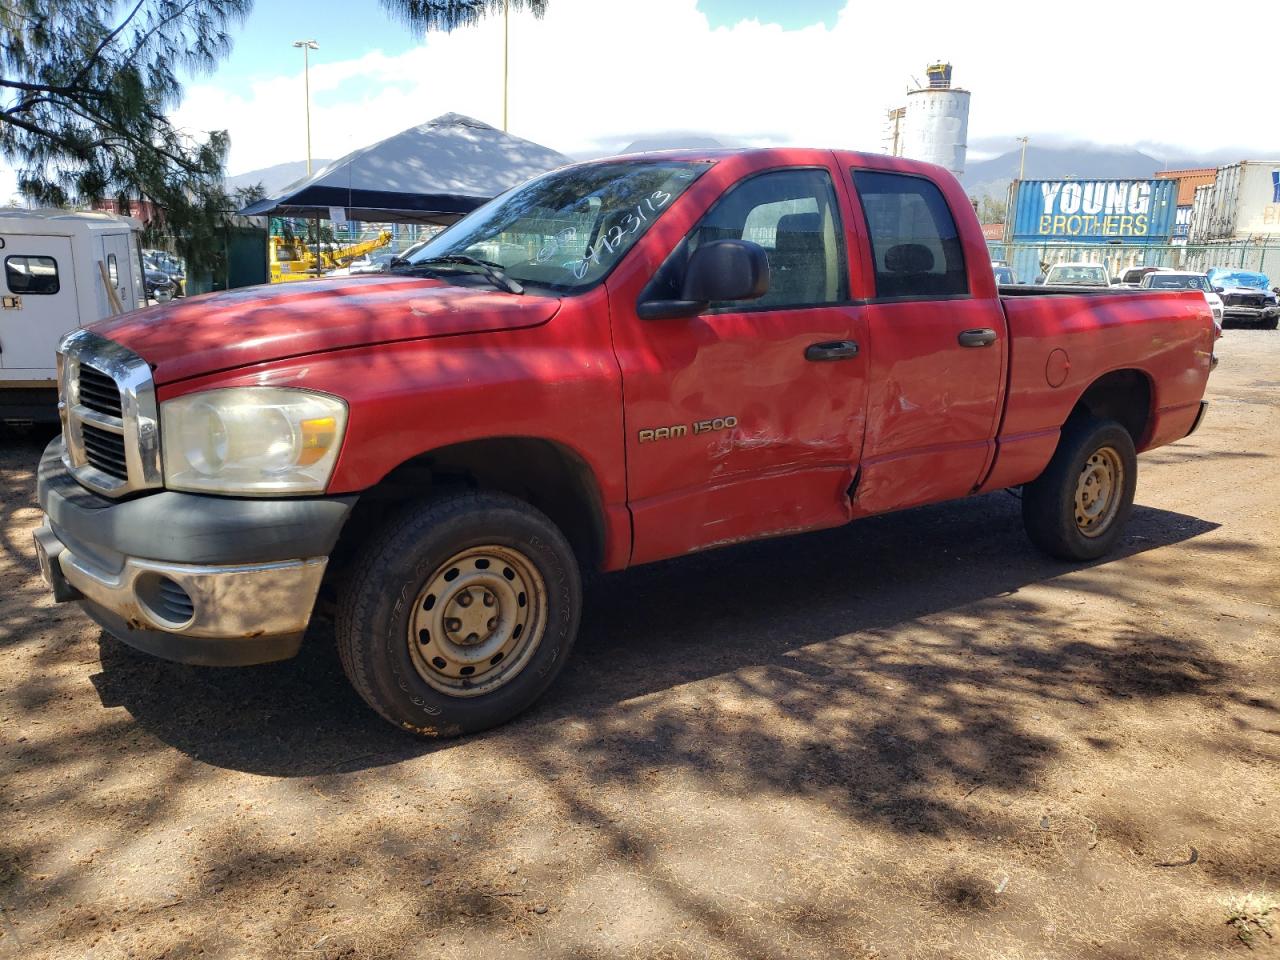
(222, 331)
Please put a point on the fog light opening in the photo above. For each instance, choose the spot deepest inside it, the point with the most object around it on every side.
(164, 600)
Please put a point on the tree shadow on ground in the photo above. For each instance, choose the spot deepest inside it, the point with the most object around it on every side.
(656, 627)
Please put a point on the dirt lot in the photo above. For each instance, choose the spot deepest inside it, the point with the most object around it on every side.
(912, 737)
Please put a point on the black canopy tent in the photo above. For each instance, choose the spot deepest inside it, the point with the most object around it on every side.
(433, 173)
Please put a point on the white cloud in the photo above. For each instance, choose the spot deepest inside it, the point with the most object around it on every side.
(599, 72)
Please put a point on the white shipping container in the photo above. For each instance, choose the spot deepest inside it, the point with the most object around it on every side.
(1201, 213)
(1245, 202)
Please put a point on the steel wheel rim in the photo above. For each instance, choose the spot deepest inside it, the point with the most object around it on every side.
(477, 620)
(1098, 489)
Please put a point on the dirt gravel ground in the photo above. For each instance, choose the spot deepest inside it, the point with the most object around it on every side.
(912, 737)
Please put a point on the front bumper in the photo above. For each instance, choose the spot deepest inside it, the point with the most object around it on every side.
(1244, 314)
(198, 579)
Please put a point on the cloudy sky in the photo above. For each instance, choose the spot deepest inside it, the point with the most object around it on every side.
(595, 74)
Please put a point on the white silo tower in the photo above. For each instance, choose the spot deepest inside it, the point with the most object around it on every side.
(936, 126)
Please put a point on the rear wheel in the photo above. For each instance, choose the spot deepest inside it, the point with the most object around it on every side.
(460, 614)
(1271, 324)
(1077, 508)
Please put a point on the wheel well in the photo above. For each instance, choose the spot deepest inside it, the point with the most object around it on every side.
(544, 474)
(1123, 396)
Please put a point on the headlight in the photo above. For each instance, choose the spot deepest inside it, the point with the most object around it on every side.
(251, 440)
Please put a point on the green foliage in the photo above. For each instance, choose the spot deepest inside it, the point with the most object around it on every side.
(85, 86)
(990, 209)
(242, 197)
(427, 15)
(84, 90)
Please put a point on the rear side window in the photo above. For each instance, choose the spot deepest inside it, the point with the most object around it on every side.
(914, 240)
(31, 276)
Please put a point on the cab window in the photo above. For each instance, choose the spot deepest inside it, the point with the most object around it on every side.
(34, 276)
(914, 240)
(794, 216)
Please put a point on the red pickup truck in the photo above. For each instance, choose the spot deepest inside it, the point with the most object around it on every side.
(617, 362)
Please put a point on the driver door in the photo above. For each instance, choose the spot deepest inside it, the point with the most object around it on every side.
(745, 421)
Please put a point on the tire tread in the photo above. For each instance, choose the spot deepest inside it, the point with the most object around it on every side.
(372, 564)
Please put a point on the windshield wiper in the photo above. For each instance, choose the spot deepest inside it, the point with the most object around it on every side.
(493, 271)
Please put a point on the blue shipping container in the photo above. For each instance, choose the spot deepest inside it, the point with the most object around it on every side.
(1095, 211)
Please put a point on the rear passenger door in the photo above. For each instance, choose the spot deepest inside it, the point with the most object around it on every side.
(937, 352)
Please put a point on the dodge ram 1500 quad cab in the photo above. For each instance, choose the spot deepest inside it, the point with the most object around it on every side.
(620, 361)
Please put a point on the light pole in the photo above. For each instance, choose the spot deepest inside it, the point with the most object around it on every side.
(307, 46)
(506, 54)
(1022, 164)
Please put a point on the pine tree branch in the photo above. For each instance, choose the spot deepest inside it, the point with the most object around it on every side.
(106, 41)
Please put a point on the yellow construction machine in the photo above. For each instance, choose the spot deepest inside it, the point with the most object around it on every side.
(292, 258)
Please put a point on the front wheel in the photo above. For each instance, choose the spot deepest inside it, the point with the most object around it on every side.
(460, 613)
(1077, 507)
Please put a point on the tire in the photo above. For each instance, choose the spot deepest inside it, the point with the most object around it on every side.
(461, 612)
(1270, 324)
(1061, 509)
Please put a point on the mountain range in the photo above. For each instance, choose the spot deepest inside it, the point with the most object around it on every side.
(274, 179)
(989, 177)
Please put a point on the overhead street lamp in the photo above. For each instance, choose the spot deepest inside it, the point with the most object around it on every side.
(506, 56)
(307, 46)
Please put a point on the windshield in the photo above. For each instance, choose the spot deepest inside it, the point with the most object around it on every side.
(1239, 278)
(567, 229)
(1165, 281)
(1004, 275)
(1084, 276)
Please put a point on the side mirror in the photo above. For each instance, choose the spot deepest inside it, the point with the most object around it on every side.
(1218, 289)
(722, 270)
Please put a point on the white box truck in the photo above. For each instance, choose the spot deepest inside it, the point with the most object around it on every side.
(61, 270)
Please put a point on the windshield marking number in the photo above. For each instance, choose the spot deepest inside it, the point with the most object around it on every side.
(613, 237)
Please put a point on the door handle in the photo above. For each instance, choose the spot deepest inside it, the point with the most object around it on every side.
(977, 338)
(831, 350)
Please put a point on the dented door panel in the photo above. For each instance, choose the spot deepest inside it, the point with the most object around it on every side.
(732, 433)
(933, 404)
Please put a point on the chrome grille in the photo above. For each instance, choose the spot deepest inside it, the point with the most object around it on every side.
(105, 450)
(110, 426)
(1243, 300)
(99, 392)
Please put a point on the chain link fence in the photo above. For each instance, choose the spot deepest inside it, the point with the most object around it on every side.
(1029, 260)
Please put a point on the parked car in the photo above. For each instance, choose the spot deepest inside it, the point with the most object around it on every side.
(1077, 275)
(1164, 279)
(159, 287)
(170, 265)
(446, 448)
(1246, 297)
(1133, 276)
